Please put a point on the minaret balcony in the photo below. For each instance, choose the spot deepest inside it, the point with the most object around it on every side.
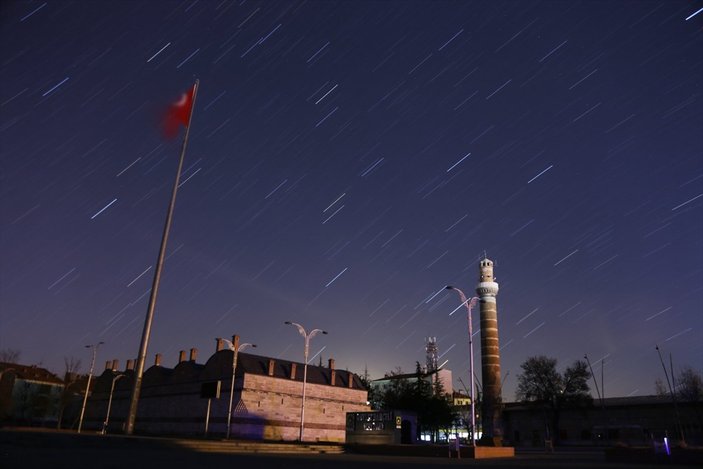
(487, 289)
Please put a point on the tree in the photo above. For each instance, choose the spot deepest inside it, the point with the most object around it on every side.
(72, 366)
(9, 355)
(372, 393)
(539, 380)
(441, 413)
(688, 386)
(398, 394)
(464, 411)
(576, 379)
(540, 384)
(366, 379)
(417, 394)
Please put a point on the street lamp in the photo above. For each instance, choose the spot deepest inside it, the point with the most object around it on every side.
(470, 303)
(87, 386)
(307, 337)
(236, 348)
(109, 401)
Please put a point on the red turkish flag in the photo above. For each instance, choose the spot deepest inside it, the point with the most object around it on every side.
(178, 114)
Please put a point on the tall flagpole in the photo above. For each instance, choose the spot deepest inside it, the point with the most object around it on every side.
(139, 370)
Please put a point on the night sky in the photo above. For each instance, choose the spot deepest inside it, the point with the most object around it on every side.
(347, 160)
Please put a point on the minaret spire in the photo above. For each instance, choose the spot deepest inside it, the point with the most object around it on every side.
(487, 290)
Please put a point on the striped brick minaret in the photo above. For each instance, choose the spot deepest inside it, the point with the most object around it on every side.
(487, 289)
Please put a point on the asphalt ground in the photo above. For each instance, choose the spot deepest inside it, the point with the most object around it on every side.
(59, 451)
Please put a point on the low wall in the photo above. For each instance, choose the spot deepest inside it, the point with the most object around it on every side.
(467, 452)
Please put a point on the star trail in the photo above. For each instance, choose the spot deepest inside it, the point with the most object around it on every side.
(346, 161)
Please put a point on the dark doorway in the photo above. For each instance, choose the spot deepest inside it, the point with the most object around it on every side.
(406, 432)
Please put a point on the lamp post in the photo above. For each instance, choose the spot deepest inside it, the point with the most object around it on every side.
(87, 386)
(109, 401)
(307, 337)
(470, 303)
(236, 348)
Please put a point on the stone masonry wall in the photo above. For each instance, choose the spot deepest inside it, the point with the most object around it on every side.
(273, 409)
(269, 409)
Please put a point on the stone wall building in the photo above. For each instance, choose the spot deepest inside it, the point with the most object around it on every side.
(266, 405)
(636, 421)
(29, 394)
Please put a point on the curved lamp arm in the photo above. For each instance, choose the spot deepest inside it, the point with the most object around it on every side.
(470, 303)
(314, 332)
(301, 329)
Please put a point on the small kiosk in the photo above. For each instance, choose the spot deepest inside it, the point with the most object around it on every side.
(385, 427)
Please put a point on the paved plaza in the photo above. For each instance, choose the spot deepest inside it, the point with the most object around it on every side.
(71, 451)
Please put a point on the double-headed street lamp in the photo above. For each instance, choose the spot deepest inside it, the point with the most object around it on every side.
(470, 303)
(87, 386)
(307, 337)
(109, 401)
(235, 347)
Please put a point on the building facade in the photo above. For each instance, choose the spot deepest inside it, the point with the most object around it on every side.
(29, 395)
(267, 398)
(634, 421)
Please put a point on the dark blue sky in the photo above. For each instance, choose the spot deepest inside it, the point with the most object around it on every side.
(346, 161)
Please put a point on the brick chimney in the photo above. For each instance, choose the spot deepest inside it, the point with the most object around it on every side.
(293, 367)
(108, 364)
(272, 364)
(333, 372)
(351, 380)
(193, 354)
(181, 356)
(130, 365)
(157, 359)
(220, 344)
(115, 364)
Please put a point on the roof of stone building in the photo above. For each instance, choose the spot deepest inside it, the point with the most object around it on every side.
(258, 365)
(219, 367)
(30, 373)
